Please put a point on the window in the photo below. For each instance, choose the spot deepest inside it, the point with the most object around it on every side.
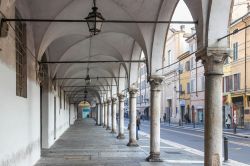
(188, 88)
(192, 86)
(237, 81)
(192, 63)
(235, 51)
(169, 57)
(231, 82)
(187, 66)
(203, 83)
(21, 58)
(180, 88)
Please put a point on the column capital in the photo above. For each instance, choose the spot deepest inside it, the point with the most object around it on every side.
(121, 96)
(156, 82)
(133, 91)
(114, 100)
(108, 101)
(213, 59)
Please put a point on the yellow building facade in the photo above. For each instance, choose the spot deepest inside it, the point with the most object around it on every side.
(236, 81)
(185, 88)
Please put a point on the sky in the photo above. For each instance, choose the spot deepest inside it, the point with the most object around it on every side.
(182, 13)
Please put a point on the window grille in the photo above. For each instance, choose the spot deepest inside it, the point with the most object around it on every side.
(21, 57)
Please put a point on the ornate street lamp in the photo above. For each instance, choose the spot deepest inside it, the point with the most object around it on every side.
(94, 20)
(87, 80)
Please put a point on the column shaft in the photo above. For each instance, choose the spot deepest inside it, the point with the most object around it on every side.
(109, 115)
(99, 115)
(114, 115)
(121, 117)
(102, 114)
(132, 122)
(213, 119)
(155, 108)
(213, 60)
(105, 115)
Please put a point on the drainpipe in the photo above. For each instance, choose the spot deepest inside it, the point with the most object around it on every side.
(245, 61)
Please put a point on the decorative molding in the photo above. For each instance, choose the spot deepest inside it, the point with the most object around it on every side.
(108, 101)
(133, 92)
(114, 100)
(213, 59)
(156, 82)
(121, 97)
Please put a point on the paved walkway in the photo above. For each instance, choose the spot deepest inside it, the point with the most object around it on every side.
(87, 144)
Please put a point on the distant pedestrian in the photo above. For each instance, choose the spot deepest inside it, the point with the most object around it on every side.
(228, 121)
(138, 122)
(165, 117)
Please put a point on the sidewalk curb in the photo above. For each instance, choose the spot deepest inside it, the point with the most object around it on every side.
(202, 130)
(193, 151)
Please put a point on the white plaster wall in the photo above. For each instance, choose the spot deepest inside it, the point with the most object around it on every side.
(19, 121)
(20, 117)
(73, 114)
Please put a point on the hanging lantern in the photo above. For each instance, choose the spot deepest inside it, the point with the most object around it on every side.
(94, 20)
(87, 80)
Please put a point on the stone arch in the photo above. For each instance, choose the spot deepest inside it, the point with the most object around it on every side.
(122, 82)
(133, 67)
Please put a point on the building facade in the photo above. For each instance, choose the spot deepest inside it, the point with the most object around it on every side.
(236, 81)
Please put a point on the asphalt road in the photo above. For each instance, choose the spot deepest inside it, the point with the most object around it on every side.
(239, 148)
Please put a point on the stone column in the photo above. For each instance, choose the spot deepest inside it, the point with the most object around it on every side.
(114, 115)
(121, 116)
(155, 109)
(109, 115)
(213, 60)
(102, 114)
(132, 121)
(105, 114)
(97, 114)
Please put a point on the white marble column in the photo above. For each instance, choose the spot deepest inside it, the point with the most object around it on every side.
(114, 115)
(97, 114)
(213, 60)
(109, 115)
(105, 114)
(121, 116)
(132, 122)
(102, 114)
(155, 109)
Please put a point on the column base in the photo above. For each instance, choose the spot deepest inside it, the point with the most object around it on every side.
(154, 157)
(104, 126)
(108, 128)
(113, 131)
(120, 136)
(132, 144)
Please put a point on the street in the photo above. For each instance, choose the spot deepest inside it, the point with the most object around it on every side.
(239, 147)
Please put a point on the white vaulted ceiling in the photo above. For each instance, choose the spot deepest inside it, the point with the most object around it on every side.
(117, 41)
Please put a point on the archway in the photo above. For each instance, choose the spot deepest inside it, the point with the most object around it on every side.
(84, 107)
